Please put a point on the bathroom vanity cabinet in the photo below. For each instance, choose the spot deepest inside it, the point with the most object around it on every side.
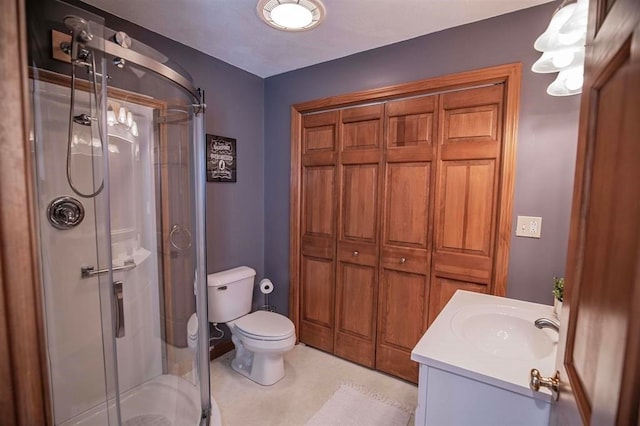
(397, 202)
(475, 362)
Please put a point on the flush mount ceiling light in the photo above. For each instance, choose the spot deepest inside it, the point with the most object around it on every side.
(562, 47)
(291, 15)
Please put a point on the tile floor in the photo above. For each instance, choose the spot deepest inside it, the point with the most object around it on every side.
(312, 376)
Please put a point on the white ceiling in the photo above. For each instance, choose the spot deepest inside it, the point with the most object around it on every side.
(230, 30)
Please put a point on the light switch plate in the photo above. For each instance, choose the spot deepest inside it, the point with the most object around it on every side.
(529, 226)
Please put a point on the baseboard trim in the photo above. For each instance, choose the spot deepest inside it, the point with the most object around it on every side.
(221, 349)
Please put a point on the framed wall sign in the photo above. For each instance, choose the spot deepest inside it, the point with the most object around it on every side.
(221, 159)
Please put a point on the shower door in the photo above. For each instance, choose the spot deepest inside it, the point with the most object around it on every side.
(120, 227)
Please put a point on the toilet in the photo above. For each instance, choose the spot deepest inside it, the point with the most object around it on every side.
(261, 338)
(192, 343)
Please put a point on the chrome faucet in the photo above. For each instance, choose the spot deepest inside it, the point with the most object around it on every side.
(547, 323)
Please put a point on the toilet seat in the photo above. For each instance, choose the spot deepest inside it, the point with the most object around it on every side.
(264, 325)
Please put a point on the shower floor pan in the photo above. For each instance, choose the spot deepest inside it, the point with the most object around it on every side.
(163, 401)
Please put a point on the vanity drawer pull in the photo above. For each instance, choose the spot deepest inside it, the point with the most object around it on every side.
(355, 253)
(403, 259)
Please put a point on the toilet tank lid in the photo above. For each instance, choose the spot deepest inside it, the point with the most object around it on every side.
(230, 275)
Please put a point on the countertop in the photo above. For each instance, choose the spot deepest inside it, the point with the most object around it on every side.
(443, 346)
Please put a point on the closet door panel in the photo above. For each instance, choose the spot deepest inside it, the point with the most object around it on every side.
(358, 224)
(356, 312)
(469, 152)
(318, 236)
(407, 232)
(318, 295)
(359, 203)
(403, 311)
(407, 204)
(466, 203)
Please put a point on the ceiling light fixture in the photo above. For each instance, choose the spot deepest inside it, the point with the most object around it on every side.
(291, 15)
(562, 47)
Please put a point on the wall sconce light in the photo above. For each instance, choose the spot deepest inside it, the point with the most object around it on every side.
(562, 47)
(123, 119)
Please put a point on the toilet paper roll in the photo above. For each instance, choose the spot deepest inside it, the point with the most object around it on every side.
(266, 286)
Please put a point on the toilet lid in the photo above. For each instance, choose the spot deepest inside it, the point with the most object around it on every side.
(265, 325)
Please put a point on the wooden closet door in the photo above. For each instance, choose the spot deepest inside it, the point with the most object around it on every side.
(357, 271)
(469, 152)
(318, 229)
(406, 238)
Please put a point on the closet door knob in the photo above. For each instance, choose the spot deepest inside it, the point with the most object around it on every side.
(355, 253)
(403, 259)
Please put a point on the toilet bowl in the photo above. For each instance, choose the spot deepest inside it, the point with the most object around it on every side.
(261, 338)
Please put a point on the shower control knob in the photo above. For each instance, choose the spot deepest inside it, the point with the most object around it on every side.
(122, 39)
(65, 212)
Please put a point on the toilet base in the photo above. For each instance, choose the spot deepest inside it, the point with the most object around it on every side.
(265, 369)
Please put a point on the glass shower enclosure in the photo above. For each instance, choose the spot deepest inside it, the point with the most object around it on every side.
(118, 146)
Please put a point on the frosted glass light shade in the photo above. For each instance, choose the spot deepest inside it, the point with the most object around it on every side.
(291, 15)
(548, 40)
(111, 116)
(557, 60)
(122, 115)
(575, 28)
(569, 82)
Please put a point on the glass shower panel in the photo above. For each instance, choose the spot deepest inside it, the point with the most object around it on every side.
(74, 230)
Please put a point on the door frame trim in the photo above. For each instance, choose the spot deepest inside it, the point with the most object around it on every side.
(507, 74)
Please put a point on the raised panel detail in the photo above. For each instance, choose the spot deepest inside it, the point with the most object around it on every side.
(442, 290)
(466, 204)
(357, 302)
(404, 309)
(410, 130)
(317, 308)
(476, 122)
(318, 290)
(360, 189)
(407, 204)
(318, 207)
(319, 139)
(361, 135)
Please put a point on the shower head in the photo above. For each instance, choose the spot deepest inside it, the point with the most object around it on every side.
(79, 26)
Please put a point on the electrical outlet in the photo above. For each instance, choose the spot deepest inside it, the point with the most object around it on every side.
(529, 226)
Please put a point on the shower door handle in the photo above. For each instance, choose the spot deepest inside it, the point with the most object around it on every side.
(118, 298)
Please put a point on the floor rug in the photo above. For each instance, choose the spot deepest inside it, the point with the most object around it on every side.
(353, 405)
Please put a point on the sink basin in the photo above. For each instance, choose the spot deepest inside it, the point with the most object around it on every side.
(504, 332)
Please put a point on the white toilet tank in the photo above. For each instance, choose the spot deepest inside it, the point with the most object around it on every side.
(230, 293)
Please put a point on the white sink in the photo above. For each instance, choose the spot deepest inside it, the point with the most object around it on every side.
(503, 331)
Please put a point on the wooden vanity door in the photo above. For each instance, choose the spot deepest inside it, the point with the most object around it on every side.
(406, 233)
(357, 271)
(318, 229)
(469, 153)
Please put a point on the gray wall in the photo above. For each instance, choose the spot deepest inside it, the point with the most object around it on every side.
(546, 137)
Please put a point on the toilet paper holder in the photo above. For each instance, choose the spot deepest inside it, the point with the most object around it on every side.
(266, 287)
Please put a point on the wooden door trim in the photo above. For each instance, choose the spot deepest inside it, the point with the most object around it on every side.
(24, 394)
(508, 74)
